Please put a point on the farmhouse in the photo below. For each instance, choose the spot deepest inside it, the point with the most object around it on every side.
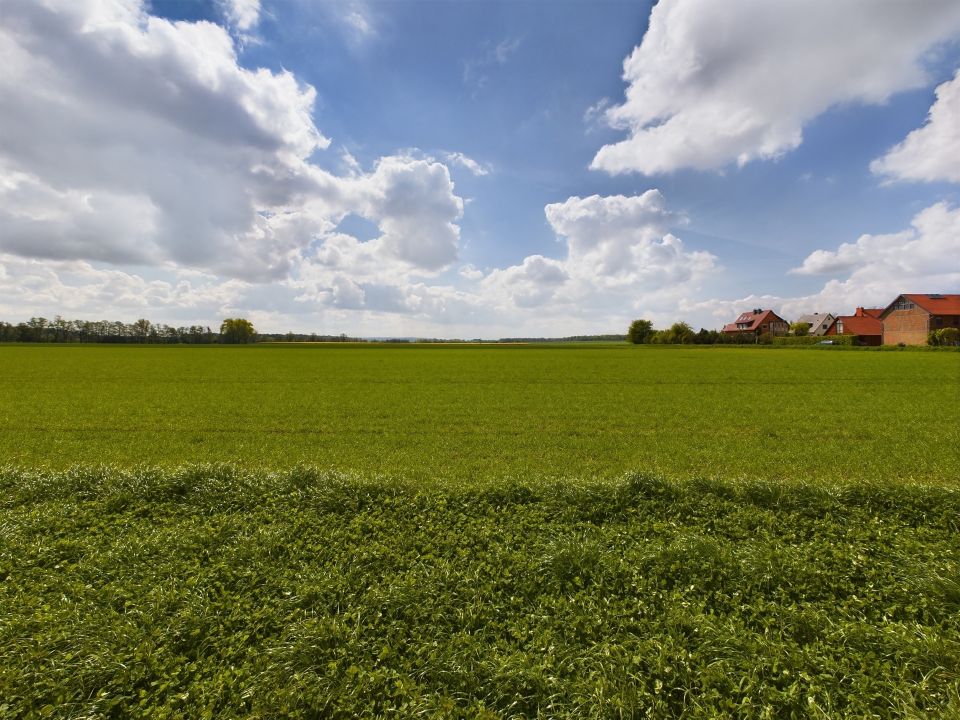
(910, 318)
(864, 324)
(757, 322)
(818, 322)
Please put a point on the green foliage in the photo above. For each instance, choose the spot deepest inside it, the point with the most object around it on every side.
(235, 331)
(438, 413)
(640, 332)
(800, 329)
(216, 592)
(944, 337)
(826, 341)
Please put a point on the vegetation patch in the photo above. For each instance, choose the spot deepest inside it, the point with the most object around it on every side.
(211, 591)
(447, 413)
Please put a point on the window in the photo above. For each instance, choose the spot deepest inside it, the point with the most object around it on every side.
(839, 327)
(903, 304)
(939, 321)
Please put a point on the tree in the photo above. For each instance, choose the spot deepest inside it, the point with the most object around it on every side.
(640, 332)
(680, 333)
(234, 331)
(800, 329)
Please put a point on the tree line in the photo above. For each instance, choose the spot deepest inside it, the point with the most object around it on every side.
(40, 330)
(642, 332)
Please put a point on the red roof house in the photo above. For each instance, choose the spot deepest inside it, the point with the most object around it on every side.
(910, 318)
(757, 322)
(864, 323)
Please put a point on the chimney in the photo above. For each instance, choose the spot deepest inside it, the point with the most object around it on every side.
(859, 312)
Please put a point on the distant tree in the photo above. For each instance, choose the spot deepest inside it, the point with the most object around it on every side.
(800, 329)
(235, 331)
(680, 334)
(707, 337)
(640, 332)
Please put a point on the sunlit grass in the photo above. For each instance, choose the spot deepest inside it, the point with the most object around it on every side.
(306, 593)
(439, 413)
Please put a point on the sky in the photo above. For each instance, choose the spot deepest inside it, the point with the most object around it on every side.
(475, 168)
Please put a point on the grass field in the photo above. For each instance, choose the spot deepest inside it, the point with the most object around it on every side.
(477, 412)
(460, 532)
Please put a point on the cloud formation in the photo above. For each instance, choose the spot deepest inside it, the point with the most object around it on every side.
(159, 149)
(931, 152)
(869, 272)
(714, 83)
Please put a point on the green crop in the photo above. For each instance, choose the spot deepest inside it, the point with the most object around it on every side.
(442, 413)
(568, 531)
(214, 592)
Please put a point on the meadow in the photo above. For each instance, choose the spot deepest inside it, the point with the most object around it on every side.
(575, 531)
(474, 412)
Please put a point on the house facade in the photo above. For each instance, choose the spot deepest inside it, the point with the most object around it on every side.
(910, 318)
(757, 322)
(818, 322)
(865, 324)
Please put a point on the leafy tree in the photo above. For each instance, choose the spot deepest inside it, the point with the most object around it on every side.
(945, 336)
(640, 332)
(800, 329)
(234, 331)
(680, 333)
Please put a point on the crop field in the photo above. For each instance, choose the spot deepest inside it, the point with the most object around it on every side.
(577, 531)
(458, 413)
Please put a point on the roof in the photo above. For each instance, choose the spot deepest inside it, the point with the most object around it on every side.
(755, 320)
(873, 312)
(860, 324)
(816, 320)
(936, 304)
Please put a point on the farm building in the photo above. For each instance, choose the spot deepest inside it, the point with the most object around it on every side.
(758, 322)
(818, 322)
(910, 318)
(864, 323)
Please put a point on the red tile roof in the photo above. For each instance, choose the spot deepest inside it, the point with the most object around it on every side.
(937, 304)
(857, 325)
(755, 320)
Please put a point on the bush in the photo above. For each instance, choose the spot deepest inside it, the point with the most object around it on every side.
(944, 337)
(814, 340)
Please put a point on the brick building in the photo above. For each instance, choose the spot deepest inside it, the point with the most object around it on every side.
(910, 318)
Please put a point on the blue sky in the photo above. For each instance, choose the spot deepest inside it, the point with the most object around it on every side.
(476, 168)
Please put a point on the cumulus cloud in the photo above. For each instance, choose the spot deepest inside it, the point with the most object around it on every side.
(127, 138)
(242, 14)
(925, 254)
(713, 83)
(870, 272)
(619, 256)
(931, 152)
(458, 158)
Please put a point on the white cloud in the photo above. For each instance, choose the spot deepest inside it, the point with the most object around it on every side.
(932, 152)
(469, 272)
(242, 14)
(713, 83)
(619, 257)
(126, 138)
(458, 158)
(927, 254)
(872, 271)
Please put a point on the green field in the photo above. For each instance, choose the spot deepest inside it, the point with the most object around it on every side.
(459, 413)
(474, 531)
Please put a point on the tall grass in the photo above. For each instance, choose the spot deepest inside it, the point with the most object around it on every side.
(216, 591)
